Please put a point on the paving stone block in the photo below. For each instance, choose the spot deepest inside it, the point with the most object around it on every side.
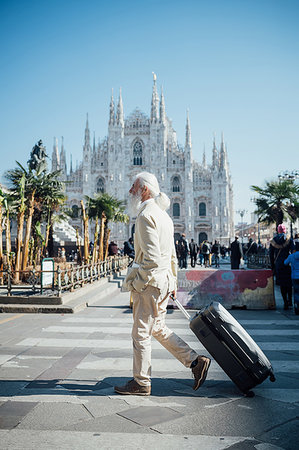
(232, 418)
(54, 416)
(150, 415)
(112, 423)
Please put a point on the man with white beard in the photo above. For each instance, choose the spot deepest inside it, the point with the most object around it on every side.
(151, 281)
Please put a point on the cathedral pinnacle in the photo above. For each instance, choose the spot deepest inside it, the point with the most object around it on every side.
(87, 135)
(188, 132)
(112, 111)
(55, 156)
(155, 101)
(94, 142)
(204, 161)
(62, 157)
(162, 108)
(223, 155)
(120, 110)
(215, 154)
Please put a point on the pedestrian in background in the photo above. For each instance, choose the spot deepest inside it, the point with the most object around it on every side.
(280, 248)
(206, 252)
(216, 253)
(112, 249)
(294, 261)
(183, 251)
(193, 252)
(129, 248)
(236, 253)
(200, 254)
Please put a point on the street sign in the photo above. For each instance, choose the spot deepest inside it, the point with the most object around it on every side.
(47, 275)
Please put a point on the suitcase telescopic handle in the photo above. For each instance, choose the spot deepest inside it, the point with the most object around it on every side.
(186, 314)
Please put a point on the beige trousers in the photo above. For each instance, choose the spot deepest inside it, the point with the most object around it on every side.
(149, 312)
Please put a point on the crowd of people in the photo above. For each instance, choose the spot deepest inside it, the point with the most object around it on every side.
(283, 252)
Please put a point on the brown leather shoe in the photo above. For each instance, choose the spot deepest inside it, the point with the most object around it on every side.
(133, 388)
(200, 371)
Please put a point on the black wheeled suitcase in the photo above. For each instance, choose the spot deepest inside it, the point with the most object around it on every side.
(231, 346)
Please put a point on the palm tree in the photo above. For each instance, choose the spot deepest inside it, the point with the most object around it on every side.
(49, 198)
(105, 207)
(16, 176)
(277, 201)
(9, 207)
(40, 194)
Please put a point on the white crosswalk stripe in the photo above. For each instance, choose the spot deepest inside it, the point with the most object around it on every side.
(174, 320)
(187, 332)
(108, 339)
(126, 344)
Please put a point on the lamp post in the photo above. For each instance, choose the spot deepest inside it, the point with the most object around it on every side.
(253, 199)
(241, 212)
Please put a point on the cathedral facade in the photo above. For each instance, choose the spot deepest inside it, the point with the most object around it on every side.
(201, 194)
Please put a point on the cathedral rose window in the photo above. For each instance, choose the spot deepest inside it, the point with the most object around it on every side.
(137, 154)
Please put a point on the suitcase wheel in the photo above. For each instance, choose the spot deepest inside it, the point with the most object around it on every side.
(272, 377)
(249, 394)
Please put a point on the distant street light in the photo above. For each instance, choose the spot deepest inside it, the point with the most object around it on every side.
(253, 199)
(241, 212)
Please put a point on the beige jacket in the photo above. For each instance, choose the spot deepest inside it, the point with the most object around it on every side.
(155, 256)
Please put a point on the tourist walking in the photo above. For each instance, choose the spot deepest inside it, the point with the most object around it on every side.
(151, 281)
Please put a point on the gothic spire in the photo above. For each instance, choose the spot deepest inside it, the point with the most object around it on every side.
(71, 165)
(223, 155)
(155, 101)
(215, 154)
(62, 156)
(94, 142)
(120, 110)
(188, 132)
(87, 135)
(162, 108)
(112, 112)
(204, 162)
(55, 156)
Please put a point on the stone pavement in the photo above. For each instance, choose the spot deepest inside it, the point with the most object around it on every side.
(57, 374)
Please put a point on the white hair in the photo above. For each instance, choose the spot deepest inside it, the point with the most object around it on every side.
(150, 181)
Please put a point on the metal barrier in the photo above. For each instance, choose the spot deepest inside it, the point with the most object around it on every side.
(258, 262)
(63, 279)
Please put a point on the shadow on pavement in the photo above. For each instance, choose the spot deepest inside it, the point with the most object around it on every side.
(161, 387)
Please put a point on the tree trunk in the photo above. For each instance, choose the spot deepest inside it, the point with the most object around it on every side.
(95, 242)
(28, 231)
(79, 259)
(8, 238)
(86, 236)
(1, 247)
(106, 242)
(19, 244)
(101, 240)
(51, 242)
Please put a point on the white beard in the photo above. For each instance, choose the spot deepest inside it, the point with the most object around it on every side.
(134, 204)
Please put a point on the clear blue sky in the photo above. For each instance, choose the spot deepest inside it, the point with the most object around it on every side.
(234, 64)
